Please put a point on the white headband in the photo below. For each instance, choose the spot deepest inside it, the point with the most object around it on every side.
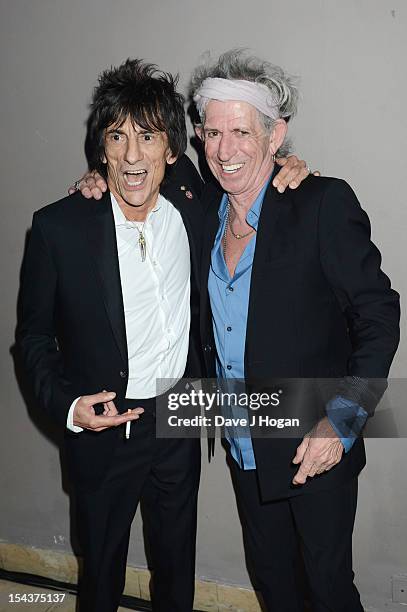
(256, 94)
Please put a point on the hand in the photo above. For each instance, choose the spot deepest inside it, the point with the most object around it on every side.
(319, 451)
(91, 185)
(293, 172)
(84, 412)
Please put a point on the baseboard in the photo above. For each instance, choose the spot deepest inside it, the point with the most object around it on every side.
(61, 567)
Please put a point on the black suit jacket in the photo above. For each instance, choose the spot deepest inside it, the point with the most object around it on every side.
(71, 328)
(319, 306)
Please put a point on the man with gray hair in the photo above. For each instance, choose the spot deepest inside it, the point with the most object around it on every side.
(295, 291)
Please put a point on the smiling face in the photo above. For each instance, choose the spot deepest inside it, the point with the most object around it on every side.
(238, 149)
(136, 160)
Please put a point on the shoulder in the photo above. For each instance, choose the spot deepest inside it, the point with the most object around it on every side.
(317, 187)
(72, 207)
(211, 195)
(323, 193)
(183, 175)
(64, 206)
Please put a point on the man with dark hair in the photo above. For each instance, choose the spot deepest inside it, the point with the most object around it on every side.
(111, 281)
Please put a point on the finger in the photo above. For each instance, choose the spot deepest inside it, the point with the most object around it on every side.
(304, 470)
(96, 192)
(301, 476)
(138, 410)
(297, 175)
(281, 161)
(98, 398)
(89, 177)
(100, 182)
(299, 455)
(293, 170)
(112, 408)
(101, 420)
(316, 173)
(314, 470)
(72, 190)
(280, 177)
(301, 450)
(86, 192)
(86, 184)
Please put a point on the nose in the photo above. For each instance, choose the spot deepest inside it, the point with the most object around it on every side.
(133, 152)
(226, 148)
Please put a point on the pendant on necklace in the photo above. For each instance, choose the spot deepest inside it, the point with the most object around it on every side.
(142, 245)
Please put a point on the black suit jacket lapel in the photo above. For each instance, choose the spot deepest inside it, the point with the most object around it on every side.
(270, 212)
(212, 202)
(188, 205)
(102, 239)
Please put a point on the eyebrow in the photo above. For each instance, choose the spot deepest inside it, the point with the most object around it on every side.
(236, 129)
(114, 130)
(118, 130)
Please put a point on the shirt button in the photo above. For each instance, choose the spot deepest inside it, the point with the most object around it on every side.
(123, 373)
(230, 288)
(229, 328)
(229, 367)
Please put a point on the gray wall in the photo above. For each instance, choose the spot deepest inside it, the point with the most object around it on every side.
(350, 55)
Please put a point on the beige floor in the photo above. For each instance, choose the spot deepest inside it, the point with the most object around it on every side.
(8, 588)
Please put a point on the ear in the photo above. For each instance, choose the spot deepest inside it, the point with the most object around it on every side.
(199, 131)
(278, 134)
(170, 158)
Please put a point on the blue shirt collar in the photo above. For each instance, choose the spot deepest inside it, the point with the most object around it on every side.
(253, 214)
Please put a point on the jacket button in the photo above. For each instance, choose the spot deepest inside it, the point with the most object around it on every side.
(123, 374)
(207, 348)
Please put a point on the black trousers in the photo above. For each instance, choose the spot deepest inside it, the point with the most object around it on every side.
(164, 475)
(320, 524)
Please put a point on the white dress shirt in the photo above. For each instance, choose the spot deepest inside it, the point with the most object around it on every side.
(156, 299)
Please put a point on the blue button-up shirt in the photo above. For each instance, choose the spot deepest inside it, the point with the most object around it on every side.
(230, 302)
(229, 299)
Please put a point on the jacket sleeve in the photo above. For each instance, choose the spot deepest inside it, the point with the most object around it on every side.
(351, 263)
(36, 334)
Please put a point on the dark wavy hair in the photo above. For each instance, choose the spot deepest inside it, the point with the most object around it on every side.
(142, 92)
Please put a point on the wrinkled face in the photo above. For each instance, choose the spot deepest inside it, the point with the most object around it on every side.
(238, 149)
(136, 160)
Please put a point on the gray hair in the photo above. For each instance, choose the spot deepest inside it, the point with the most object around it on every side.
(236, 64)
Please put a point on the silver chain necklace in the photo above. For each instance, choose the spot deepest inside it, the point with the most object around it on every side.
(228, 223)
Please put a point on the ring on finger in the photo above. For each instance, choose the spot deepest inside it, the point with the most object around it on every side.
(76, 184)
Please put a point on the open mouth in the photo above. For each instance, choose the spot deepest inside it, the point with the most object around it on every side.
(231, 168)
(135, 178)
